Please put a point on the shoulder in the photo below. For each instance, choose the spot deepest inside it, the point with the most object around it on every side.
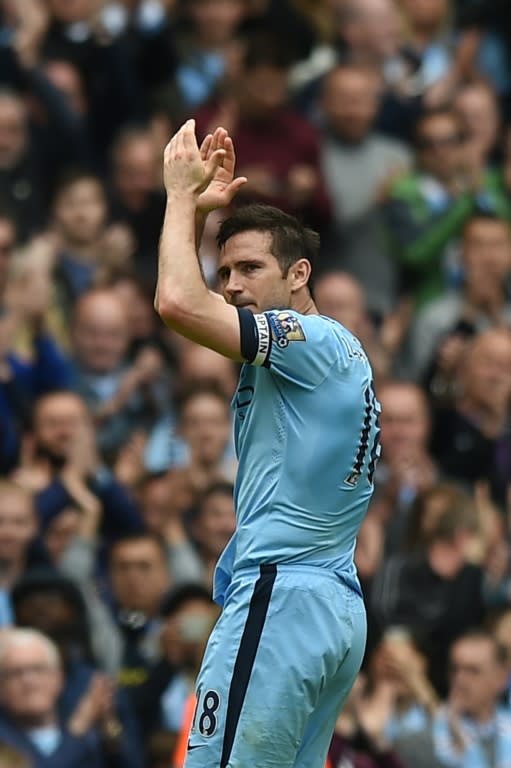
(287, 325)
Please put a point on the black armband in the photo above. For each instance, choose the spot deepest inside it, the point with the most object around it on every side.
(255, 337)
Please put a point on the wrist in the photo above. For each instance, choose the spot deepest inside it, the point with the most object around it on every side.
(177, 198)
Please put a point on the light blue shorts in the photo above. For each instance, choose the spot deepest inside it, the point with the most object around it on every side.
(279, 664)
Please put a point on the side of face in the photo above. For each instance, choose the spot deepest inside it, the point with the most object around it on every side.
(31, 682)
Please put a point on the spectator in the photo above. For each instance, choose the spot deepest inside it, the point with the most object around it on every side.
(22, 380)
(46, 135)
(54, 606)
(188, 614)
(443, 327)
(105, 64)
(434, 66)
(136, 198)
(122, 398)
(139, 579)
(478, 108)
(427, 208)
(63, 468)
(204, 424)
(32, 680)
(200, 364)
(20, 551)
(212, 523)
(470, 438)
(340, 296)
(471, 726)
(162, 518)
(79, 220)
(207, 48)
(407, 467)
(394, 695)
(357, 163)
(277, 150)
(370, 32)
(450, 588)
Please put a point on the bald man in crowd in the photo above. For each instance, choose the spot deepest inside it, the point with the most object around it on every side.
(122, 396)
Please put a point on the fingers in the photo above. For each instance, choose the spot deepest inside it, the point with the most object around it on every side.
(188, 139)
(213, 163)
(205, 147)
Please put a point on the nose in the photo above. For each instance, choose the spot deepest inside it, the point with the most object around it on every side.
(232, 287)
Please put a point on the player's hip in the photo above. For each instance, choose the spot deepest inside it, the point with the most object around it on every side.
(290, 583)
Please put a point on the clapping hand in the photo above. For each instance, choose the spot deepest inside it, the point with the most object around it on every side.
(206, 173)
(223, 186)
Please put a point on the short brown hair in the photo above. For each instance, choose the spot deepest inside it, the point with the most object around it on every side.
(291, 241)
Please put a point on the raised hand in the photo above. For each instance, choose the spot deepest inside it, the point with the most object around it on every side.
(184, 170)
(223, 186)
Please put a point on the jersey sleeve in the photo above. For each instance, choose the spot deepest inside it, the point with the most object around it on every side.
(299, 348)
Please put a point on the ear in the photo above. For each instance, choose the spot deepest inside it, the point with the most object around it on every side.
(299, 273)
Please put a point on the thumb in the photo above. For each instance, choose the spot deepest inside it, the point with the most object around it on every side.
(236, 184)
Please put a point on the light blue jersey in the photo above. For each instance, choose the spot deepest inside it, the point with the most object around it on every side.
(288, 645)
(306, 431)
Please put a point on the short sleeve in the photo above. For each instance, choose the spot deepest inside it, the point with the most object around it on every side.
(299, 348)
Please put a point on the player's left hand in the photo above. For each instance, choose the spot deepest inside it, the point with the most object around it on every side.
(184, 170)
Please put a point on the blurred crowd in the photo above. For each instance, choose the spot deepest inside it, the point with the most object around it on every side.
(383, 124)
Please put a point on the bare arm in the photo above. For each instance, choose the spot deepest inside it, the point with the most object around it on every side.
(182, 298)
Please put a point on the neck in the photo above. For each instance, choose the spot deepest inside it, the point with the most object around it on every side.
(305, 305)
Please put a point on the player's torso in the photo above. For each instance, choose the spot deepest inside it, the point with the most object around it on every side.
(304, 456)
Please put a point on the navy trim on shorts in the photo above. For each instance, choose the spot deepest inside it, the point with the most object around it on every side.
(246, 655)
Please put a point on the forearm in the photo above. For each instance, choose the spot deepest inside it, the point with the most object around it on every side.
(200, 223)
(180, 281)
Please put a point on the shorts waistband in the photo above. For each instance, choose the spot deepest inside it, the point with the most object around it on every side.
(303, 568)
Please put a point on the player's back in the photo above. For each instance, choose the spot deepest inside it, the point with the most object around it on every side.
(307, 442)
